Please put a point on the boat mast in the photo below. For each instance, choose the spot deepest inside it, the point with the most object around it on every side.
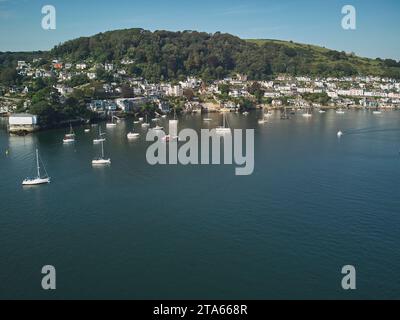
(37, 164)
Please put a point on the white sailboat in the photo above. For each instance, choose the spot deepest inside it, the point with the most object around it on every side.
(263, 119)
(70, 137)
(101, 161)
(173, 130)
(100, 138)
(307, 114)
(223, 129)
(111, 124)
(377, 111)
(39, 179)
(340, 111)
(132, 135)
(157, 128)
(145, 124)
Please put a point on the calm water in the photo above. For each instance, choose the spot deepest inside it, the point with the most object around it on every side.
(132, 231)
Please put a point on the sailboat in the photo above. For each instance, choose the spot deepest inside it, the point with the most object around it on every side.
(285, 114)
(145, 124)
(157, 128)
(173, 130)
(263, 120)
(377, 111)
(223, 129)
(132, 135)
(70, 137)
(308, 114)
(111, 124)
(100, 139)
(39, 179)
(340, 111)
(101, 161)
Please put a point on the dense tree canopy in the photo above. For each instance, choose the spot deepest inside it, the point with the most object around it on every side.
(163, 55)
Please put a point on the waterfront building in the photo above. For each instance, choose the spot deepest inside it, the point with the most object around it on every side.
(22, 122)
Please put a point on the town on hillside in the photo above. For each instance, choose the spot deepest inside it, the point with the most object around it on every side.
(58, 92)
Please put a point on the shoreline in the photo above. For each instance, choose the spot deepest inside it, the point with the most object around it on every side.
(83, 122)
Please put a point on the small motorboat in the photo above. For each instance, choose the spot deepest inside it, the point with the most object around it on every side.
(68, 139)
(132, 135)
(101, 162)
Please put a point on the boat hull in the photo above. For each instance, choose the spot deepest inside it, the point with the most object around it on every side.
(35, 182)
(101, 162)
(133, 135)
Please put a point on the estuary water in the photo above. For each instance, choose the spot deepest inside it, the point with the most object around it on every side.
(314, 204)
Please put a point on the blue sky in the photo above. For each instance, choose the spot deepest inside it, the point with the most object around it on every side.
(307, 21)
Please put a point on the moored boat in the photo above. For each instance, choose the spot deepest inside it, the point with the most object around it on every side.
(39, 180)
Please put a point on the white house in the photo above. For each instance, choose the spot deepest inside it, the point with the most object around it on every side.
(91, 75)
(81, 66)
(175, 91)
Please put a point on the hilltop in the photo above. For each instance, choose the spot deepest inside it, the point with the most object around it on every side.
(165, 55)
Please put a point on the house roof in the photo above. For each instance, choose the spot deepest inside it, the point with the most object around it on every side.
(22, 115)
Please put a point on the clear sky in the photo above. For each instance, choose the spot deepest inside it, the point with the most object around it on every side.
(307, 21)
